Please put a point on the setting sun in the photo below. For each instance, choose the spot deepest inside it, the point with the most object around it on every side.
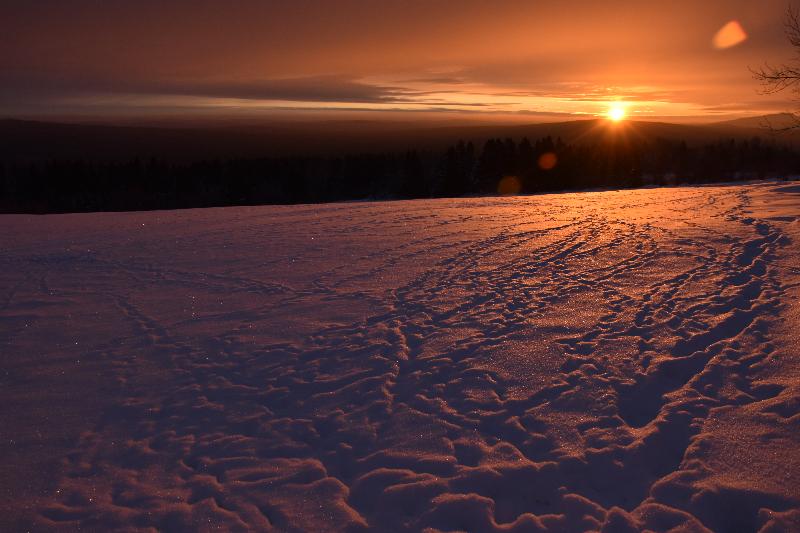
(616, 112)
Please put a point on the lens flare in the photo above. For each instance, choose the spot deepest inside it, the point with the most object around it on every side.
(509, 185)
(548, 161)
(730, 35)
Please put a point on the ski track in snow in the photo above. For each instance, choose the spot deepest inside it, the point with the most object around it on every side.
(618, 360)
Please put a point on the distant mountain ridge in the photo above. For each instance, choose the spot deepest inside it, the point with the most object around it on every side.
(775, 121)
(22, 140)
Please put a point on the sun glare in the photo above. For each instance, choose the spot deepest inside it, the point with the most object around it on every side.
(616, 112)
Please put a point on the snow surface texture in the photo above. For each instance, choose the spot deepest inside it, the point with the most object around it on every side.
(611, 361)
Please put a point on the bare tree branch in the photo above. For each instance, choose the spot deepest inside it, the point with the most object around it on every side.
(775, 79)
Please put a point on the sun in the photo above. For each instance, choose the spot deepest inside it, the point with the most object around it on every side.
(616, 112)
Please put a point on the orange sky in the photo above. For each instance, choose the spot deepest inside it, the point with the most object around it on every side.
(483, 60)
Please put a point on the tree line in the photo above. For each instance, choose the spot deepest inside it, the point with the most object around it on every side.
(498, 166)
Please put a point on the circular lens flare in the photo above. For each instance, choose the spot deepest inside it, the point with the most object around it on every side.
(616, 112)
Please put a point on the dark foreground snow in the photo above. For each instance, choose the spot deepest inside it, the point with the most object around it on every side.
(616, 360)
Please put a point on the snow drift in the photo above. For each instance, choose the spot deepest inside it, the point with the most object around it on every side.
(611, 361)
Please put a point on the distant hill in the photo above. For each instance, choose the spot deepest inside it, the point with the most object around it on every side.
(596, 130)
(775, 121)
(30, 140)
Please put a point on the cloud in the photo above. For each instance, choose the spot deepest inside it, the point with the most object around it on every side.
(306, 89)
(438, 80)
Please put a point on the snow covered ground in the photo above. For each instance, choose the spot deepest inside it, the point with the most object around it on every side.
(608, 360)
